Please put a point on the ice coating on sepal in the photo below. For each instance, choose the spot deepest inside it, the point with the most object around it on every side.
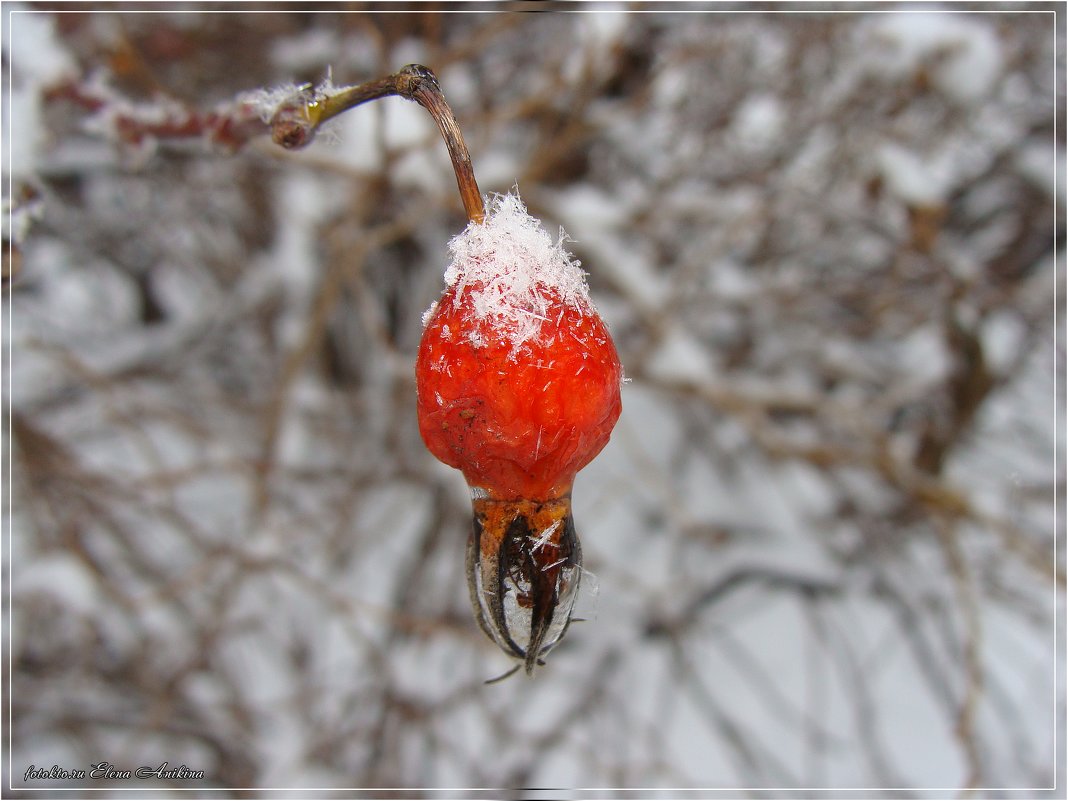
(524, 563)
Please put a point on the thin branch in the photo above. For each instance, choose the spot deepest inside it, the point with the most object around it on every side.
(291, 115)
(295, 124)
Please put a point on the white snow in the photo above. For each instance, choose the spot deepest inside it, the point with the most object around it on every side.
(309, 50)
(597, 33)
(428, 171)
(1003, 335)
(1035, 161)
(916, 180)
(33, 51)
(962, 53)
(670, 87)
(498, 167)
(758, 122)
(731, 280)
(923, 355)
(680, 356)
(512, 271)
(601, 216)
(463, 89)
(61, 576)
(21, 134)
(305, 202)
(267, 102)
(409, 50)
(407, 124)
(358, 146)
(37, 60)
(602, 28)
(592, 209)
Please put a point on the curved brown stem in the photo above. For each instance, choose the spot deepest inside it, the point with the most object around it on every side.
(294, 125)
(424, 89)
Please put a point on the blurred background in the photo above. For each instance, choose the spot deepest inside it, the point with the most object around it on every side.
(820, 547)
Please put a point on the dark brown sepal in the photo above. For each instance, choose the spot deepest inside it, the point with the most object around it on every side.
(524, 562)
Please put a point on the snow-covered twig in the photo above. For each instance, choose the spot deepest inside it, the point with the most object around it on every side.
(229, 126)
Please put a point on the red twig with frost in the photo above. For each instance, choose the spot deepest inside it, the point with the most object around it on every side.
(291, 114)
(229, 126)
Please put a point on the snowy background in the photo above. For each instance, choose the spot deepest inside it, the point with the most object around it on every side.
(820, 543)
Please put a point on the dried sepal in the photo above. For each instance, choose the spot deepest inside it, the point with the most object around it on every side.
(524, 562)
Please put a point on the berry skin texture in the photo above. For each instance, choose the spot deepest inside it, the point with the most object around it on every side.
(518, 420)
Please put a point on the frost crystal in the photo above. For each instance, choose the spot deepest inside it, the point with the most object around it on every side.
(512, 272)
(267, 102)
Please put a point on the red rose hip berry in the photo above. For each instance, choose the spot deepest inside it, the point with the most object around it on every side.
(518, 424)
(518, 387)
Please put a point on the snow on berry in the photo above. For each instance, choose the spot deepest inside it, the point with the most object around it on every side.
(517, 376)
(511, 273)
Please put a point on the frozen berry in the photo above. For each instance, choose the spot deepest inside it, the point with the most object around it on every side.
(518, 387)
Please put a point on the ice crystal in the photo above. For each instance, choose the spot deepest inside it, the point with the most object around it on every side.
(267, 102)
(512, 272)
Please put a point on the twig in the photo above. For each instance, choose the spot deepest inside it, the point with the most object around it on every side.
(291, 115)
(294, 125)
